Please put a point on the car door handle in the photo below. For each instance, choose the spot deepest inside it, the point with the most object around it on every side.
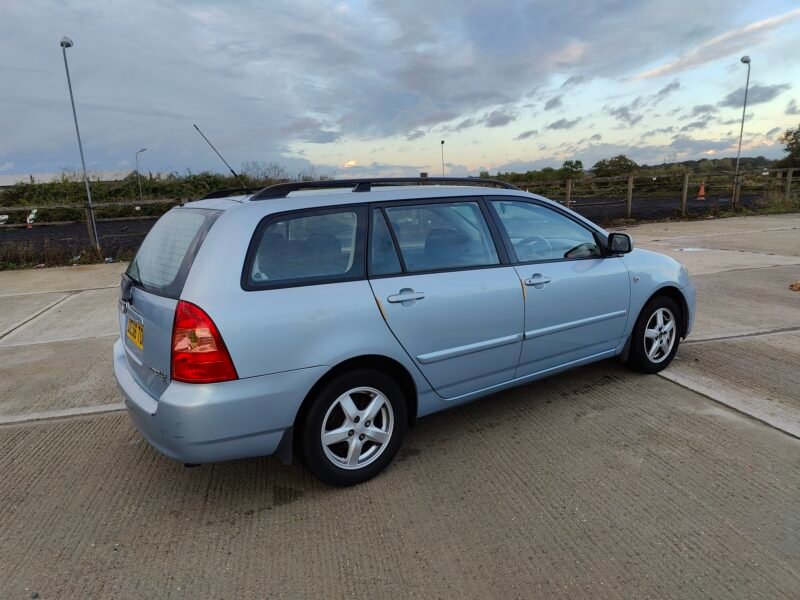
(537, 281)
(406, 296)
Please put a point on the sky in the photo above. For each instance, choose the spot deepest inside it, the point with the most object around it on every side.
(371, 88)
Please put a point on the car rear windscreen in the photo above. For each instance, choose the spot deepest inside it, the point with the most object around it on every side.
(165, 257)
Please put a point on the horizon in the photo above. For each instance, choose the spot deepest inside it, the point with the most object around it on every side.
(353, 89)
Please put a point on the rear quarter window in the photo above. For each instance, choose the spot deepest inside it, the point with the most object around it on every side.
(307, 247)
(163, 261)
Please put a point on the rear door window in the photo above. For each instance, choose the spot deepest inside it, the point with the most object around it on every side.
(308, 247)
(163, 261)
(442, 235)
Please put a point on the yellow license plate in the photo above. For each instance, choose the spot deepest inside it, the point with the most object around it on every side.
(136, 333)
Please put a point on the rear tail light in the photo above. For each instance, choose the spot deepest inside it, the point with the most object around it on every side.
(198, 353)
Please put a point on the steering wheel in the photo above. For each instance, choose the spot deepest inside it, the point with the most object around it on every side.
(531, 240)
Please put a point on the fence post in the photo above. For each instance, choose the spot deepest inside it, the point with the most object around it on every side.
(789, 184)
(568, 192)
(684, 193)
(629, 199)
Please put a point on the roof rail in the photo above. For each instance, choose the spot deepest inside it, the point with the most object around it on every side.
(281, 190)
(226, 192)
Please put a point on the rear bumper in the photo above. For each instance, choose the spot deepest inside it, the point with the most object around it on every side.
(215, 422)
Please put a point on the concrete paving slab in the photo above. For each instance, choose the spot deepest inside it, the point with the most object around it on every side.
(784, 242)
(91, 313)
(596, 484)
(15, 310)
(700, 261)
(745, 302)
(757, 375)
(56, 376)
(733, 225)
(60, 279)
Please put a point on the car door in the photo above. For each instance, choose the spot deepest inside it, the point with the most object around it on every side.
(576, 299)
(446, 291)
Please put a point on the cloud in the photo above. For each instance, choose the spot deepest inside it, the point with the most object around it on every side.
(6, 166)
(792, 108)
(312, 131)
(757, 94)
(564, 123)
(415, 135)
(495, 118)
(660, 130)
(499, 117)
(596, 137)
(703, 109)
(631, 113)
(465, 124)
(573, 81)
(324, 77)
(770, 133)
(701, 123)
(723, 45)
(737, 120)
(553, 102)
(526, 134)
(666, 91)
(627, 113)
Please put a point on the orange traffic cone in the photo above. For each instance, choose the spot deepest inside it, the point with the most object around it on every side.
(701, 194)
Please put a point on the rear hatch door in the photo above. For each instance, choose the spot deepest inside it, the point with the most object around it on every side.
(150, 290)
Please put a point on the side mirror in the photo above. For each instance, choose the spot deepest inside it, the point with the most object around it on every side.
(620, 243)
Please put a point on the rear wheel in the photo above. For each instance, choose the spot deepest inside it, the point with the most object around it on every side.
(656, 336)
(354, 427)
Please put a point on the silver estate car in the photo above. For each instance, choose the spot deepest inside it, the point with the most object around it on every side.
(323, 318)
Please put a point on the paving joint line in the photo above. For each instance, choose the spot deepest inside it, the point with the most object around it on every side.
(58, 340)
(742, 412)
(724, 233)
(793, 264)
(75, 291)
(35, 315)
(66, 413)
(739, 336)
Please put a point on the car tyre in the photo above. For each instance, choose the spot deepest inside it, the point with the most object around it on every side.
(354, 427)
(656, 335)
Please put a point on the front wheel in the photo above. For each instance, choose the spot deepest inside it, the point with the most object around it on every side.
(656, 336)
(354, 427)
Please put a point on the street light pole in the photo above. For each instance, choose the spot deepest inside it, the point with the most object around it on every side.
(442, 158)
(138, 176)
(90, 223)
(736, 185)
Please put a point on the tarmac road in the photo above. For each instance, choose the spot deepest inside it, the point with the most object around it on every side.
(599, 483)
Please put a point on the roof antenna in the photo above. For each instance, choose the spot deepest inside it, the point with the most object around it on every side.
(220, 157)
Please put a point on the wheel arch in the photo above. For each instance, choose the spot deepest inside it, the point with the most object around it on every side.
(368, 361)
(675, 294)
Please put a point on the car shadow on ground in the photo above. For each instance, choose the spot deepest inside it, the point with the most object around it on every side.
(560, 400)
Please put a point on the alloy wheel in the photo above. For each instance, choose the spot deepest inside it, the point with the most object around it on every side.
(659, 335)
(357, 428)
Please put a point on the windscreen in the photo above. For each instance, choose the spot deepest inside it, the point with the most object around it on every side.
(164, 258)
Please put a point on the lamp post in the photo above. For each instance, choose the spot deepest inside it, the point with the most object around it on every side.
(90, 223)
(736, 185)
(442, 144)
(138, 176)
